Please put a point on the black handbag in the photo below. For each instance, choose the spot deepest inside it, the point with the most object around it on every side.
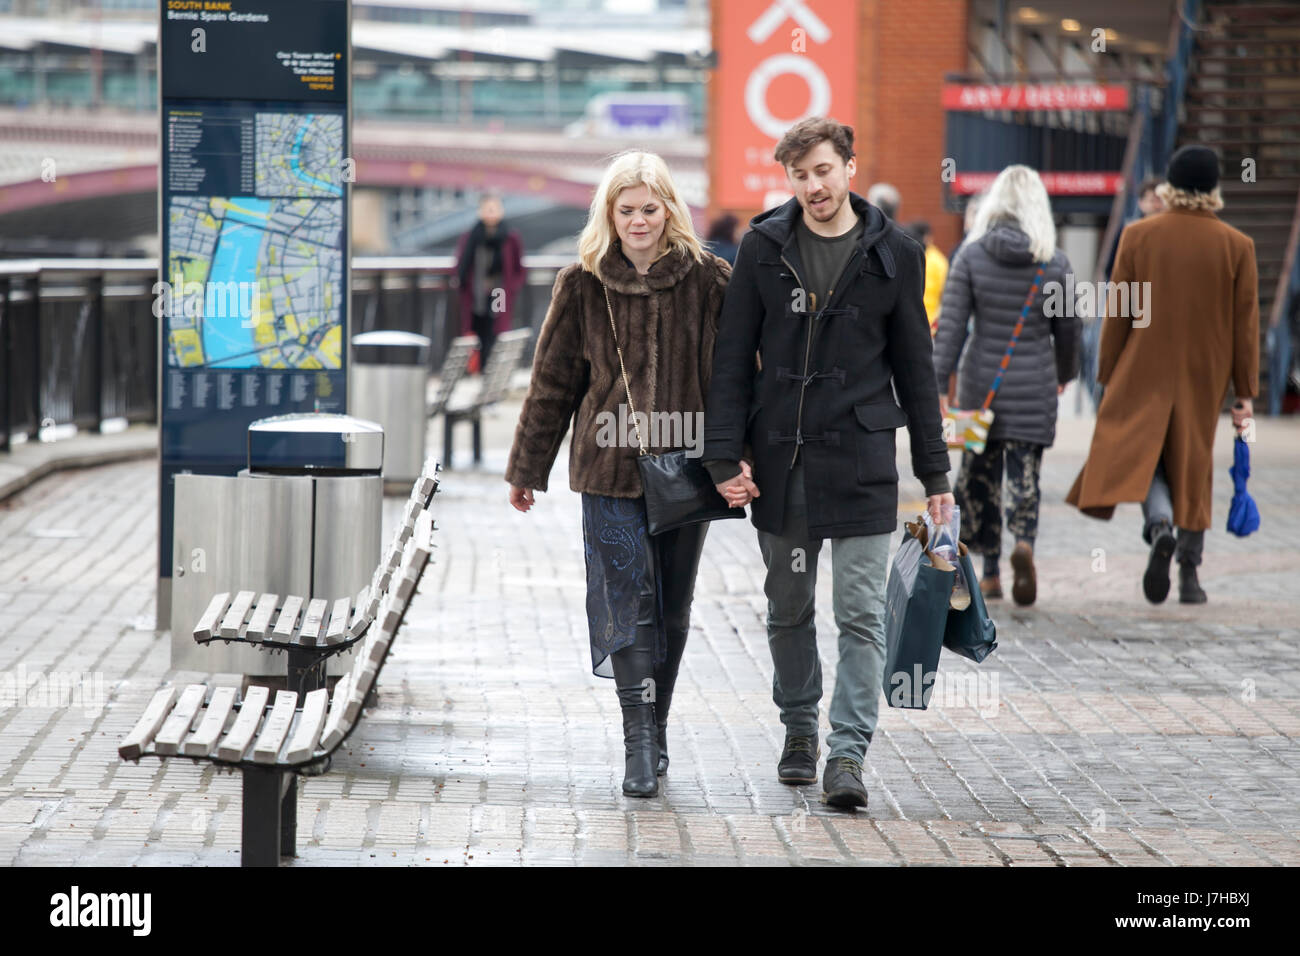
(678, 489)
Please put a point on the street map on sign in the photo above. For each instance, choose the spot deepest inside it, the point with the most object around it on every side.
(270, 264)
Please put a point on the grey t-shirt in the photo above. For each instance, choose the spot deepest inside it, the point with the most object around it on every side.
(824, 258)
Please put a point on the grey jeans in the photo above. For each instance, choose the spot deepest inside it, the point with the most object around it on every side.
(1158, 507)
(860, 566)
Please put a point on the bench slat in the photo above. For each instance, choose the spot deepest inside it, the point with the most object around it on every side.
(207, 626)
(204, 739)
(145, 728)
(338, 625)
(288, 619)
(312, 621)
(235, 743)
(333, 730)
(234, 618)
(260, 622)
(180, 721)
(362, 680)
(305, 737)
(360, 615)
(424, 485)
(267, 748)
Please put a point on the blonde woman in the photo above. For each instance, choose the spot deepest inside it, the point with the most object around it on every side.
(989, 281)
(641, 266)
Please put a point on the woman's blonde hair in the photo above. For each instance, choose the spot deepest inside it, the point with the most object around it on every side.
(1018, 193)
(1175, 198)
(630, 169)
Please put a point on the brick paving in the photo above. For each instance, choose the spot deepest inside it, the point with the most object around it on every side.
(1103, 731)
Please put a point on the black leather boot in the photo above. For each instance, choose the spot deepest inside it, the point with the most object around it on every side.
(634, 680)
(1189, 589)
(640, 743)
(663, 700)
(677, 556)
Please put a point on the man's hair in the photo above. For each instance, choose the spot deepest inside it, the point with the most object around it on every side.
(807, 133)
(1149, 184)
(919, 230)
(886, 198)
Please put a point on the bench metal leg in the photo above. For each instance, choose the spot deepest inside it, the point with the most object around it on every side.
(262, 802)
(305, 672)
(478, 440)
(289, 817)
(447, 423)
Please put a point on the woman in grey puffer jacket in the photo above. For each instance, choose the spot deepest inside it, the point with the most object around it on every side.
(989, 282)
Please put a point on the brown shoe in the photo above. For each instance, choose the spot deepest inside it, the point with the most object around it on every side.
(1024, 589)
(991, 588)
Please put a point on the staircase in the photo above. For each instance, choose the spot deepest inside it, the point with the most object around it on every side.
(1243, 100)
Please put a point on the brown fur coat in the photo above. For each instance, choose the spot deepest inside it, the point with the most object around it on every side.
(667, 322)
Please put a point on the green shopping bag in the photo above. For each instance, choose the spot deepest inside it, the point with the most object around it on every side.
(916, 612)
(970, 632)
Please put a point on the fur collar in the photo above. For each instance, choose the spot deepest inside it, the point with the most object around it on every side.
(664, 273)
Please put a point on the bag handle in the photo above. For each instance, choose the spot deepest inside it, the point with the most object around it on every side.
(918, 531)
(1015, 335)
(623, 369)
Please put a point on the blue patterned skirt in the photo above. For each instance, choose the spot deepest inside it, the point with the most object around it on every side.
(622, 586)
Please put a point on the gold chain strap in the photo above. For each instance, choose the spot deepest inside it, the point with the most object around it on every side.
(627, 388)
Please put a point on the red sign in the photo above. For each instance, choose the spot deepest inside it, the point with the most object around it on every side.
(1045, 96)
(1058, 184)
(779, 61)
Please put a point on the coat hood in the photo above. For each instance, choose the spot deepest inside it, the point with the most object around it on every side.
(778, 225)
(1007, 243)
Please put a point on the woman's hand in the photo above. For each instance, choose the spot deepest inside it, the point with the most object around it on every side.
(521, 498)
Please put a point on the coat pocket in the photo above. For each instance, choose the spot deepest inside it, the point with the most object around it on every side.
(875, 440)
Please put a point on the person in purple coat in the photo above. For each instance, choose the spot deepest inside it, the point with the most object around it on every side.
(490, 273)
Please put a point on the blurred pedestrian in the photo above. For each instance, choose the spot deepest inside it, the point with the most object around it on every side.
(1012, 236)
(1167, 373)
(643, 272)
(936, 269)
(886, 198)
(722, 237)
(490, 273)
(828, 289)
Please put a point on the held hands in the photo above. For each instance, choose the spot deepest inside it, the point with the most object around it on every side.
(741, 490)
(521, 499)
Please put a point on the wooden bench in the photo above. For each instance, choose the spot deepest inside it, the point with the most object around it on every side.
(310, 630)
(454, 367)
(270, 741)
(506, 353)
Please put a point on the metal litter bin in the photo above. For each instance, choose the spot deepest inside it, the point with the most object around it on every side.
(389, 378)
(304, 518)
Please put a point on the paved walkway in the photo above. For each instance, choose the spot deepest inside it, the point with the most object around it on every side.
(1104, 731)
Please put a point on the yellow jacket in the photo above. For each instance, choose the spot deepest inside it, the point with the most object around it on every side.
(936, 273)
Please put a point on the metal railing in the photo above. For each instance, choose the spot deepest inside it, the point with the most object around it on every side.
(79, 339)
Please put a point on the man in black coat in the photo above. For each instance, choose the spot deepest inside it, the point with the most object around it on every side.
(828, 292)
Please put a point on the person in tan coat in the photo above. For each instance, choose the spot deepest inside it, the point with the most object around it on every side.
(1167, 365)
(642, 269)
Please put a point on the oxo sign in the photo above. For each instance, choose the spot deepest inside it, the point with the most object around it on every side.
(778, 62)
